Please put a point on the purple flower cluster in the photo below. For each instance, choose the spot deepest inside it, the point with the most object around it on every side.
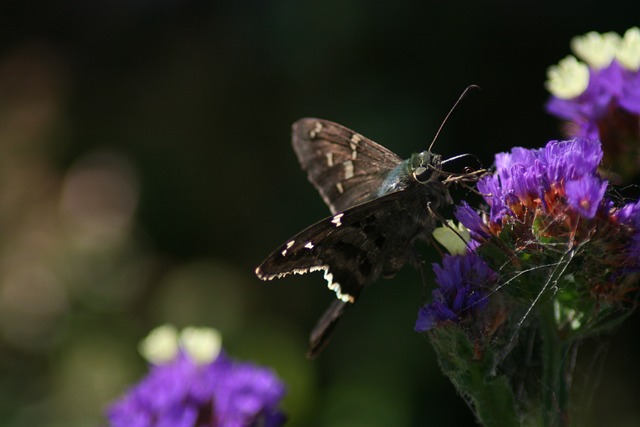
(222, 393)
(462, 281)
(555, 195)
(563, 175)
(555, 189)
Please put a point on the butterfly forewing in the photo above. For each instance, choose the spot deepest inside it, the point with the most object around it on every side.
(346, 167)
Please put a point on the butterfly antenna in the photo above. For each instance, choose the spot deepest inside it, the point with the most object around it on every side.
(460, 98)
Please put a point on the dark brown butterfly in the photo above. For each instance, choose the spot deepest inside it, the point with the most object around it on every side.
(380, 203)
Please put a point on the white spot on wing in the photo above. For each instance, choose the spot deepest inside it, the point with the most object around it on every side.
(309, 245)
(353, 143)
(339, 187)
(337, 219)
(348, 169)
(329, 159)
(316, 130)
(289, 244)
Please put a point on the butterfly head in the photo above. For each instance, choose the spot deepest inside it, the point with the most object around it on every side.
(424, 166)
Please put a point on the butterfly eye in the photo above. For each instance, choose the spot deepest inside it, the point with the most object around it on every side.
(422, 174)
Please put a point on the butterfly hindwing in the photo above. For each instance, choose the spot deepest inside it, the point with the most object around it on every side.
(353, 248)
(337, 246)
(345, 167)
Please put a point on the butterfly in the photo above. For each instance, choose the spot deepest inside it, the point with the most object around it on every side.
(380, 204)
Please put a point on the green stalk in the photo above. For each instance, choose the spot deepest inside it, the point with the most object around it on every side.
(492, 399)
(473, 376)
(555, 372)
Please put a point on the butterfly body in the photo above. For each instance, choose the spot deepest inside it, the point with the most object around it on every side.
(380, 203)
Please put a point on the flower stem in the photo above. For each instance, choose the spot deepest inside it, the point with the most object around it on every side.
(556, 373)
(492, 399)
(474, 377)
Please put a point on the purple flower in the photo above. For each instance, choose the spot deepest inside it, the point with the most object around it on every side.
(462, 281)
(630, 94)
(629, 215)
(584, 195)
(474, 223)
(182, 393)
(570, 160)
(493, 194)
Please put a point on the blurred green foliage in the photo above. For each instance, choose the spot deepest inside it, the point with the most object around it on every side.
(145, 169)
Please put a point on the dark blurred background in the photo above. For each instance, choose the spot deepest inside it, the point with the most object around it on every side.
(146, 169)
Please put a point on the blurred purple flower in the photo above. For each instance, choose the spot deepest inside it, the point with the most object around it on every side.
(182, 393)
(605, 90)
(599, 96)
